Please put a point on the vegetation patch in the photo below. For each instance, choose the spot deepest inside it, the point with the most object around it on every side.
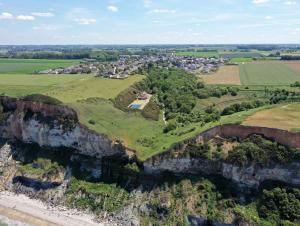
(258, 150)
(97, 197)
(151, 111)
(43, 169)
(42, 99)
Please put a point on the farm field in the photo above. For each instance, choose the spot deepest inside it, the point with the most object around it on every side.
(90, 86)
(29, 66)
(284, 117)
(237, 54)
(24, 84)
(228, 75)
(294, 65)
(241, 60)
(267, 74)
(198, 54)
(67, 88)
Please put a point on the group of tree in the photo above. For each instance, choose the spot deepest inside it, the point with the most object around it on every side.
(290, 57)
(280, 95)
(238, 107)
(280, 204)
(258, 150)
(177, 92)
(296, 84)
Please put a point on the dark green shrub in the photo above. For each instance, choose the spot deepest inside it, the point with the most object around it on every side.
(42, 99)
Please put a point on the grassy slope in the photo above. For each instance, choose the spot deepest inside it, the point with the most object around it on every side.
(267, 74)
(24, 66)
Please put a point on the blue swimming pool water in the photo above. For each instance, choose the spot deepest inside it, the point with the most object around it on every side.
(135, 106)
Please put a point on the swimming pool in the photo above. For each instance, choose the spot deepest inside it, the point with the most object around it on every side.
(135, 106)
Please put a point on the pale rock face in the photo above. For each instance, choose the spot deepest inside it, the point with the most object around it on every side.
(182, 165)
(80, 138)
(250, 176)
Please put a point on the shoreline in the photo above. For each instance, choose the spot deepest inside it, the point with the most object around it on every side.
(21, 208)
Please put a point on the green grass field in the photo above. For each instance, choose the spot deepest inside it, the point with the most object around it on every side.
(198, 54)
(241, 60)
(67, 88)
(237, 54)
(267, 74)
(24, 66)
(23, 84)
(90, 86)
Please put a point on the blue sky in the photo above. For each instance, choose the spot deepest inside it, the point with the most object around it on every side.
(149, 21)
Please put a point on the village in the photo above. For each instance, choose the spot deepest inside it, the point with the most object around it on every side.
(131, 64)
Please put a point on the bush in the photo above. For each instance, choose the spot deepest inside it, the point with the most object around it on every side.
(259, 150)
(170, 127)
(242, 107)
(151, 111)
(280, 203)
(92, 122)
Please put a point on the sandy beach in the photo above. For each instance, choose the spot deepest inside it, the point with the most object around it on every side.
(20, 208)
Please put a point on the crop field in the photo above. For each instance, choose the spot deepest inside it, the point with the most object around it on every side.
(198, 54)
(23, 84)
(240, 54)
(294, 66)
(228, 75)
(67, 88)
(20, 66)
(267, 74)
(241, 60)
(90, 86)
(284, 117)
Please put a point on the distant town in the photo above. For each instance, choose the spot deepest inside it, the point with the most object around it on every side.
(131, 64)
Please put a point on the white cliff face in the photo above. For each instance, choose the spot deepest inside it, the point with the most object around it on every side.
(251, 176)
(79, 137)
(182, 165)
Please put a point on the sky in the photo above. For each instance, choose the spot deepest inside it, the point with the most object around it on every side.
(149, 21)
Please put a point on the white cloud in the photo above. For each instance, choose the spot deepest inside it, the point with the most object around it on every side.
(6, 16)
(40, 14)
(9, 16)
(268, 17)
(162, 11)
(290, 3)
(259, 1)
(85, 21)
(113, 8)
(25, 17)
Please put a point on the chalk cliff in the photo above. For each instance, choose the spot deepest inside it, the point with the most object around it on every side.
(53, 126)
